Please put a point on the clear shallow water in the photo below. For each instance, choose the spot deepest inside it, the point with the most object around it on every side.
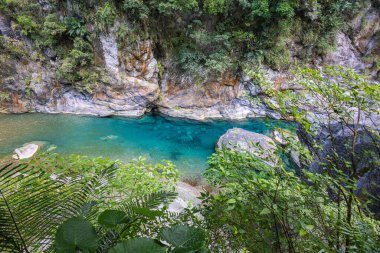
(187, 143)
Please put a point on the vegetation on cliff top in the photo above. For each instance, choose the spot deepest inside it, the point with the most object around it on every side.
(209, 36)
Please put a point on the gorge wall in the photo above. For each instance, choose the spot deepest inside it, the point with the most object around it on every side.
(131, 81)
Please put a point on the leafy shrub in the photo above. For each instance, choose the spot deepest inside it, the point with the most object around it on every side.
(27, 25)
(4, 96)
(67, 71)
(285, 9)
(80, 56)
(215, 6)
(266, 209)
(75, 27)
(136, 9)
(278, 58)
(13, 47)
(53, 29)
(105, 16)
(210, 36)
(174, 6)
(270, 209)
(138, 178)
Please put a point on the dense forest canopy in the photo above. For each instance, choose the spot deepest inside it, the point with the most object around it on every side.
(203, 36)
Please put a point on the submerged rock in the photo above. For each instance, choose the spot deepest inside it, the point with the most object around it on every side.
(109, 137)
(245, 141)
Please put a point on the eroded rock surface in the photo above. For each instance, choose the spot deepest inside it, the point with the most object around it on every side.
(132, 81)
(187, 197)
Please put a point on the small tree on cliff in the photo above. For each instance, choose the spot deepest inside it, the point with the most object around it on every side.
(338, 112)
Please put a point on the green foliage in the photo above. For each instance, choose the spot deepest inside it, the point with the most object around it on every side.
(4, 96)
(53, 29)
(265, 209)
(75, 27)
(111, 218)
(327, 213)
(80, 192)
(215, 6)
(105, 16)
(134, 179)
(12, 47)
(184, 238)
(78, 233)
(80, 56)
(139, 178)
(27, 25)
(285, 9)
(75, 233)
(34, 202)
(136, 9)
(174, 6)
(207, 54)
(138, 245)
(206, 37)
(121, 226)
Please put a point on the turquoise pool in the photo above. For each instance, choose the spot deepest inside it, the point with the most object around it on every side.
(187, 143)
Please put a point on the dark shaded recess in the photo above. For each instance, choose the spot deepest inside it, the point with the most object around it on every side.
(339, 139)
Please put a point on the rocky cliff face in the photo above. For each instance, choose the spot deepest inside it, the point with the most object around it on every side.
(133, 83)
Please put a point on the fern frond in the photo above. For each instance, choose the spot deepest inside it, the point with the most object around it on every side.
(150, 201)
(33, 204)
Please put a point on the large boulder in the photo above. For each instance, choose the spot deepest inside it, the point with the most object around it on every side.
(245, 141)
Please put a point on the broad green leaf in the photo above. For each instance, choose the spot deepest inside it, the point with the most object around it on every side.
(265, 211)
(76, 233)
(231, 207)
(138, 245)
(147, 212)
(309, 227)
(111, 218)
(231, 201)
(186, 250)
(185, 237)
(303, 232)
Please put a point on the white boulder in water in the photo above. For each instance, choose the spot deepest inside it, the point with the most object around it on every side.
(26, 151)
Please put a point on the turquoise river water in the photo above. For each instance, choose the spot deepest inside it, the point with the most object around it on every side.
(187, 143)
